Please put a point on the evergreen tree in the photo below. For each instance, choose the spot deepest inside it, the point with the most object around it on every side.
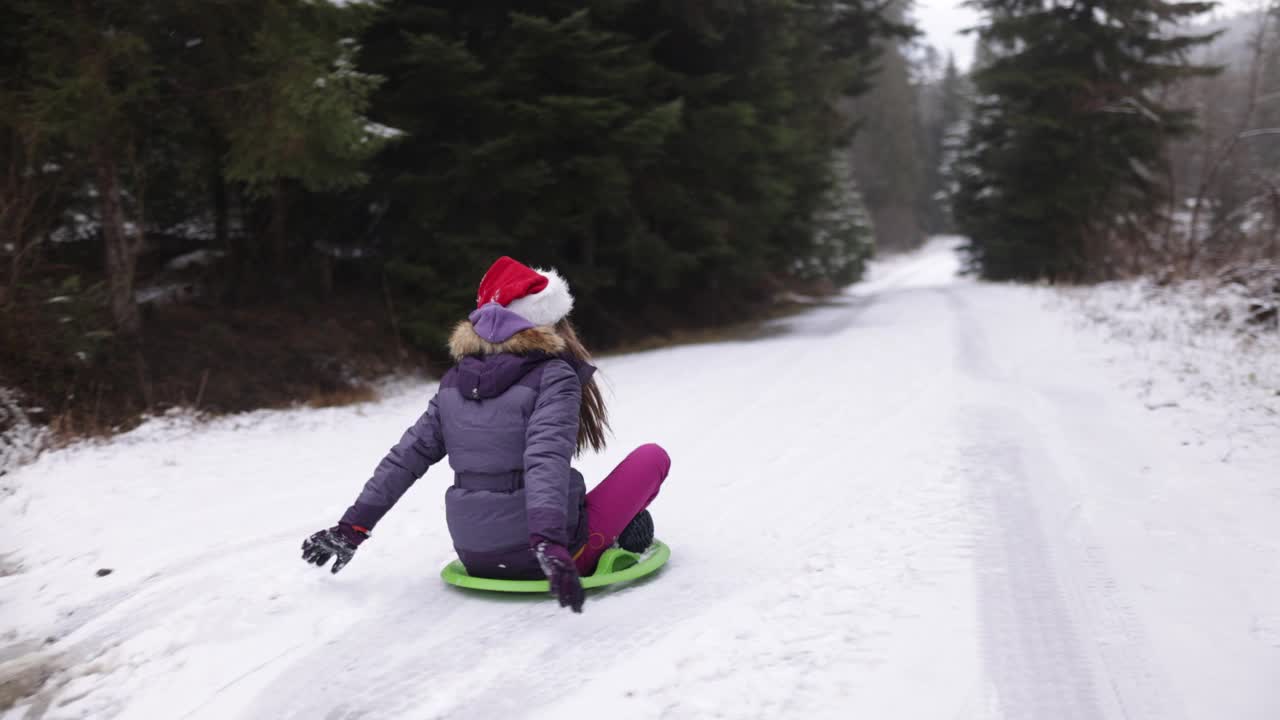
(890, 158)
(843, 237)
(95, 89)
(524, 136)
(32, 186)
(942, 110)
(1069, 131)
(151, 99)
(302, 116)
(667, 155)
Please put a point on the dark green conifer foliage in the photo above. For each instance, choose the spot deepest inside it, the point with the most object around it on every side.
(673, 158)
(1065, 150)
(943, 115)
(890, 157)
(524, 133)
(301, 117)
(93, 87)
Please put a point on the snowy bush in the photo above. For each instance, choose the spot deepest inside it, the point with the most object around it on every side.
(1206, 345)
(20, 439)
(843, 238)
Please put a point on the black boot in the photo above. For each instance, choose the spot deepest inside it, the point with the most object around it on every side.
(638, 535)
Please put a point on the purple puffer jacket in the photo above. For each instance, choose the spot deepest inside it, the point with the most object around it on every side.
(507, 417)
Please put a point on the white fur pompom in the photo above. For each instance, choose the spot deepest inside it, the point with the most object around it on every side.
(547, 307)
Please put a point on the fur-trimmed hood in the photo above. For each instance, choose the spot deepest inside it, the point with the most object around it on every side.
(492, 367)
(541, 339)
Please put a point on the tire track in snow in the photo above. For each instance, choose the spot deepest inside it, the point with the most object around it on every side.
(1031, 646)
(1058, 639)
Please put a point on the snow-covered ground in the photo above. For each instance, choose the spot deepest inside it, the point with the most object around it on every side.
(933, 498)
(1194, 349)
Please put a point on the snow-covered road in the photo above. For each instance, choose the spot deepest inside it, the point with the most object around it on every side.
(928, 499)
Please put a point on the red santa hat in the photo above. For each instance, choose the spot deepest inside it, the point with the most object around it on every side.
(540, 296)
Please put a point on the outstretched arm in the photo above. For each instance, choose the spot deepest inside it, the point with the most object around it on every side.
(421, 446)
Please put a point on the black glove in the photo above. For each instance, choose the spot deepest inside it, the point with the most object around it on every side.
(341, 541)
(558, 566)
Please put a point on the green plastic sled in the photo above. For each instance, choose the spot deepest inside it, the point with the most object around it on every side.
(616, 565)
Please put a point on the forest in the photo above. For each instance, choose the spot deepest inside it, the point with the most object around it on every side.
(230, 204)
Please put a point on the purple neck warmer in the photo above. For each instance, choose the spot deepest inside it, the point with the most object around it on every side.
(497, 324)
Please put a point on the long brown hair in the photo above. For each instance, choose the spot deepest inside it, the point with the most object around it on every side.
(593, 417)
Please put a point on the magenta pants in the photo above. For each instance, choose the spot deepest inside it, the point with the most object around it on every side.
(620, 497)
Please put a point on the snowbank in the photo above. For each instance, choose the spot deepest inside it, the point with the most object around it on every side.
(1192, 347)
(20, 439)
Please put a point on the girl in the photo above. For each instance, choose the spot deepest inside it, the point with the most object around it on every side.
(518, 404)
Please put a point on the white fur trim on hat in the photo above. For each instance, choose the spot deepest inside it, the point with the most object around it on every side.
(547, 307)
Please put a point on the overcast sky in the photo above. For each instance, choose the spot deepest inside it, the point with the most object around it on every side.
(942, 20)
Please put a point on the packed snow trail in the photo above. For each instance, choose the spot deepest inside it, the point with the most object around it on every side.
(925, 499)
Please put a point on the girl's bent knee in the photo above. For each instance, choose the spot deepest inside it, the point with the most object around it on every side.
(653, 453)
